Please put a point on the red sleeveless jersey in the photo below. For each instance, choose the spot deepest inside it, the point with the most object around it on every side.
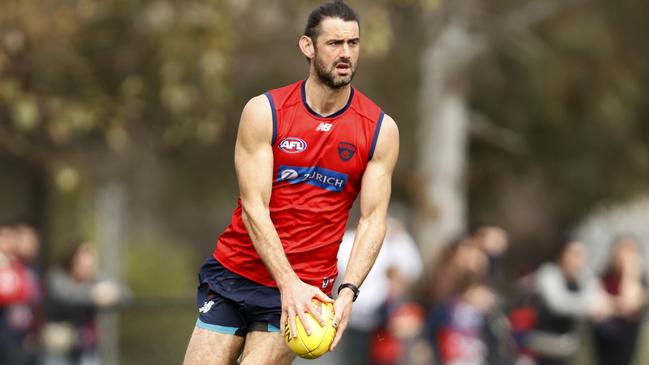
(317, 171)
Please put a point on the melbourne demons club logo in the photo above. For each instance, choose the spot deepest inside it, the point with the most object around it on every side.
(292, 145)
(346, 151)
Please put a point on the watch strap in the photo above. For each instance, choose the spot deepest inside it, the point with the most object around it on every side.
(350, 286)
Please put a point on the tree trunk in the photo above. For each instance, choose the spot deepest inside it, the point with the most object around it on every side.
(444, 127)
(111, 210)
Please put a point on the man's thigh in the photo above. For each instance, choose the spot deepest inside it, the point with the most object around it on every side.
(212, 348)
(266, 348)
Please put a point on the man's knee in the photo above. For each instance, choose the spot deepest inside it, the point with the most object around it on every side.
(266, 348)
(210, 347)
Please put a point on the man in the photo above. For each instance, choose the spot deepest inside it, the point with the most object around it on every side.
(567, 291)
(303, 154)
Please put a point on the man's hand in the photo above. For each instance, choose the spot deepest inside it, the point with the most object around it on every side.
(342, 309)
(297, 299)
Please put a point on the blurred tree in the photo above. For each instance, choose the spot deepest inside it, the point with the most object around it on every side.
(443, 128)
(542, 86)
(571, 89)
(94, 92)
(78, 75)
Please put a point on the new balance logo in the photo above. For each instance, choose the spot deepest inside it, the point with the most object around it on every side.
(324, 127)
(206, 306)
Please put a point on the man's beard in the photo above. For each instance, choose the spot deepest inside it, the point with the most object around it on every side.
(329, 77)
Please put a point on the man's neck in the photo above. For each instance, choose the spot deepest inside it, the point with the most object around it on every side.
(323, 99)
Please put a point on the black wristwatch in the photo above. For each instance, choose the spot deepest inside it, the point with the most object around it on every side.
(351, 286)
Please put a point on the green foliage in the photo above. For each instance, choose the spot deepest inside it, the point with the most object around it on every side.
(87, 72)
(574, 88)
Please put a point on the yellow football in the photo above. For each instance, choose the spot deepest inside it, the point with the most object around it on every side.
(318, 343)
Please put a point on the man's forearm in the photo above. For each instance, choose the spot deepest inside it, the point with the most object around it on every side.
(367, 244)
(266, 241)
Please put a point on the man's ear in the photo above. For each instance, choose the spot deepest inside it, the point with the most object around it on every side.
(307, 47)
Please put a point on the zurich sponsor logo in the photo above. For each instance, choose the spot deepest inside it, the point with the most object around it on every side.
(292, 145)
(316, 176)
(288, 174)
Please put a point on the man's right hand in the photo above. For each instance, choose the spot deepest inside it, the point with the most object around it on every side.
(297, 299)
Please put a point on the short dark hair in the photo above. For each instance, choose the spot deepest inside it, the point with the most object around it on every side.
(334, 9)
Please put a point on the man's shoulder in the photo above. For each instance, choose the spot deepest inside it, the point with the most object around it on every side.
(284, 94)
(275, 97)
(287, 87)
(365, 106)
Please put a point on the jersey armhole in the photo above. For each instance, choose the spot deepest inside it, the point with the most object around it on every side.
(376, 136)
(272, 109)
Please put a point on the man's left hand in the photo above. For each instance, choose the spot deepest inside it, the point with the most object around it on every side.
(342, 309)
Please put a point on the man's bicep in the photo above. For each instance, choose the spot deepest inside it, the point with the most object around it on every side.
(375, 191)
(253, 153)
(377, 179)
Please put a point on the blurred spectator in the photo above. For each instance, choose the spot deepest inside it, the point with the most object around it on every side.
(460, 300)
(459, 324)
(19, 295)
(75, 294)
(460, 262)
(623, 281)
(566, 291)
(399, 339)
(24, 315)
(494, 242)
(496, 334)
(383, 292)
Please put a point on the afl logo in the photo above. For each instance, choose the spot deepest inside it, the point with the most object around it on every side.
(292, 145)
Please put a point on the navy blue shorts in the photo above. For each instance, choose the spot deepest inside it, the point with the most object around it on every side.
(231, 304)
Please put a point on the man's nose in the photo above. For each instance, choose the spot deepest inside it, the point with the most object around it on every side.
(345, 52)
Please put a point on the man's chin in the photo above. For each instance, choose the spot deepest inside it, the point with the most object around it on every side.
(335, 81)
(342, 81)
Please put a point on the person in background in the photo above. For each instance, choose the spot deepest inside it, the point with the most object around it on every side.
(460, 262)
(566, 292)
(494, 242)
(523, 317)
(623, 280)
(23, 315)
(75, 294)
(19, 294)
(459, 300)
(496, 333)
(460, 338)
(396, 267)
